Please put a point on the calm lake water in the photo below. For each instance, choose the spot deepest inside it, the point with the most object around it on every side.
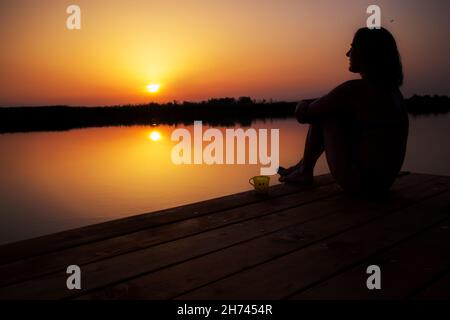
(53, 181)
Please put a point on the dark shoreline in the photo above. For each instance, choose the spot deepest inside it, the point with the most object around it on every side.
(216, 112)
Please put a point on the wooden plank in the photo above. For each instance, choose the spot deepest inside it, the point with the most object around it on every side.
(404, 268)
(120, 268)
(174, 280)
(30, 268)
(109, 229)
(438, 290)
(33, 267)
(288, 274)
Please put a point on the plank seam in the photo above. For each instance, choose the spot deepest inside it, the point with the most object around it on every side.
(310, 244)
(439, 276)
(365, 260)
(263, 235)
(201, 255)
(155, 226)
(180, 238)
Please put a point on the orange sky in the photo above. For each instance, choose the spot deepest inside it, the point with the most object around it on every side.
(265, 49)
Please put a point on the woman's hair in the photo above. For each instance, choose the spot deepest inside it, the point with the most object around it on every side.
(379, 57)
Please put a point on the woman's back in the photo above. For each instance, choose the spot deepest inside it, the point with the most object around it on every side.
(379, 125)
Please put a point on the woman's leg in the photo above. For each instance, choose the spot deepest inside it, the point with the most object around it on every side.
(340, 150)
(303, 172)
(314, 147)
(333, 137)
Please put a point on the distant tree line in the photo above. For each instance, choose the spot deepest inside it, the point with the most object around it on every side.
(216, 111)
(427, 104)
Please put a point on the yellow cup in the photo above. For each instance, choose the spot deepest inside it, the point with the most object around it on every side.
(260, 183)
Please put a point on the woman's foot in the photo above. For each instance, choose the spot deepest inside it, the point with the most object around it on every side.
(299, 176)
(284, 172)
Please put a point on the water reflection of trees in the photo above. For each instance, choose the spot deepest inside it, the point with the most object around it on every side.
(217, 112)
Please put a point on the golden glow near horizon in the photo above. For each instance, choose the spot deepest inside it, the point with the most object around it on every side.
(154, 135)
(153, 87)
(203, 49)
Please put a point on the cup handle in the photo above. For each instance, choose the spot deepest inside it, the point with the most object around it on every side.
(250, 181)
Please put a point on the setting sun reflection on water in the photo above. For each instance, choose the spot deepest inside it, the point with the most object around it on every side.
(58, 180)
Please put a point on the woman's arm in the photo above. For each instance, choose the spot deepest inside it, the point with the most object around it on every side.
(331, 104)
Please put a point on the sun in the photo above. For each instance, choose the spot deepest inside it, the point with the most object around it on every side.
(155, 136)
(153, 87)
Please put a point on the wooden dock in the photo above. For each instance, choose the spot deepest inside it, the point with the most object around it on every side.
(296, 243)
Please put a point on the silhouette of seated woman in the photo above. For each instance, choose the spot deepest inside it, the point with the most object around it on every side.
(361, 125)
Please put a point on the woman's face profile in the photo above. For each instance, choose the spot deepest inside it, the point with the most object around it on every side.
(355, 61)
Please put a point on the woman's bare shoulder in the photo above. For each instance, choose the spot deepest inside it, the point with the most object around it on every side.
(352, 84)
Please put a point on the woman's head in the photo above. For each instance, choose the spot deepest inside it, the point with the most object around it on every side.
(374, 54)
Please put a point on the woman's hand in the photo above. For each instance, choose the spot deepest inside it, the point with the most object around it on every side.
(301, 110)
